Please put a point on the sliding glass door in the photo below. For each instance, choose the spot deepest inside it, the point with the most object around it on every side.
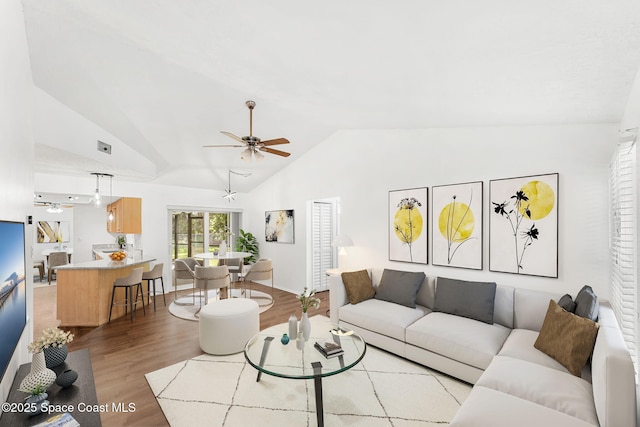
(197, 232)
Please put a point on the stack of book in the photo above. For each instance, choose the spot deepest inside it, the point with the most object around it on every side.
(329, 349)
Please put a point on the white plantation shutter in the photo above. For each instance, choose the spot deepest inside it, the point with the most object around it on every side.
(323, 230)
(622, 235)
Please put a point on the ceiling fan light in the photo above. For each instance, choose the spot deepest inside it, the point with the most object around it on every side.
(246, 155)
(259, 155)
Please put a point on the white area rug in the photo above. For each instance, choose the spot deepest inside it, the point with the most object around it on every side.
(189, 310)
(382, 390)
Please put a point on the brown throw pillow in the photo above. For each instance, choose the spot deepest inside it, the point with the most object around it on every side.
(567, 338)
(358, 286)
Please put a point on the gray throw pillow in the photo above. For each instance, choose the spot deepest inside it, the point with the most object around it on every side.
(587, 304)
(474, 300)
(567, 303)
(400, 287)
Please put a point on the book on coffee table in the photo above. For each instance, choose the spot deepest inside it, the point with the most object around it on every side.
(329, 349)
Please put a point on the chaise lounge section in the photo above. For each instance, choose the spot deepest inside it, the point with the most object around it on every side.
(486, 334)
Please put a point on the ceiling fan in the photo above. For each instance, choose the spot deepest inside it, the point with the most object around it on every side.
(252, 144)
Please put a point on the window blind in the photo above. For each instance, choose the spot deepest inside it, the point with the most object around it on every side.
(623, 238)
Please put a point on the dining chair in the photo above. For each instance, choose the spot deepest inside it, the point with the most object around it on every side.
(208, 278)
(39, 264)
(56, 259)
(236, 267)
(151, 276)
(260, 271)
(128, 283)
(184, 269)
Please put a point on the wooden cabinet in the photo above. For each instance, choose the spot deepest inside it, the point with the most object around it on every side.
(127, 216)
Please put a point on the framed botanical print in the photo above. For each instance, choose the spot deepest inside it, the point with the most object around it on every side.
(523, 226)
(456, 232)
(408, 225)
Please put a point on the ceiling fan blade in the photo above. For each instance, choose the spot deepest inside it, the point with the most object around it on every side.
(276, 152)
(277, 141)
(230, 135)
(214, 146)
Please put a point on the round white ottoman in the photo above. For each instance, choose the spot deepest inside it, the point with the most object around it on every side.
(226, 325)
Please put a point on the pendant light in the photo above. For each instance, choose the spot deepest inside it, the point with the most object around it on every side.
(96, 195)
(110, 197)
(97, 198)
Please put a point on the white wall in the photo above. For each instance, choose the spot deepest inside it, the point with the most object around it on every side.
(360, 167)
(90, 228)
(16, 151)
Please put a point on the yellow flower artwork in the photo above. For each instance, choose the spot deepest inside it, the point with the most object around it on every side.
(408, 222)
(457, 233)
(524, 225)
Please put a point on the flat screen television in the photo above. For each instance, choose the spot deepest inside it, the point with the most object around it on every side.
(13, 289)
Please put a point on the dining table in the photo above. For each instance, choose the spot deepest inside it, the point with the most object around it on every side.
(208, 256)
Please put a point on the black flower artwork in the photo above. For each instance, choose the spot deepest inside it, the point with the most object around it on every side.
(515, 215)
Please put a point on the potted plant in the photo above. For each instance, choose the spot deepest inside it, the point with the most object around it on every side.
(36, 400)
(307, 300)
(247, 242)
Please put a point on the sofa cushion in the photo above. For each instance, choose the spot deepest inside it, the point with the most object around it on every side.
(358, 286)
(485, 407)
(587, 303)
(503, 306)
(542, 385)
(382, 317)
(520, 346)
(427, 292)
(474, 300)
(567, 303)
(458, 338)
(400, 287)
(567, 338)
(530, 307)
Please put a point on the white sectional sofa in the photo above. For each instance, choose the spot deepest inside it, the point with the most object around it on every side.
(515, 384)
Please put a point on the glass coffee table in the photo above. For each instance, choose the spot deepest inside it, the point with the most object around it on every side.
(302, 361)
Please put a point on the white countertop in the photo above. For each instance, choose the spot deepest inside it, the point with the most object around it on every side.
(105, 264)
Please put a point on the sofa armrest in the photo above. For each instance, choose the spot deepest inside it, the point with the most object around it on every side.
(613, 376)
(337, 296)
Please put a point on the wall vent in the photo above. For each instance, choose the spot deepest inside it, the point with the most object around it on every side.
(103, 147)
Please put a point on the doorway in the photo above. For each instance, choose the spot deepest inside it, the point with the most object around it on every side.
(322, 231)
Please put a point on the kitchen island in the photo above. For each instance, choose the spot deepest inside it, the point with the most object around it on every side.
(84, 290)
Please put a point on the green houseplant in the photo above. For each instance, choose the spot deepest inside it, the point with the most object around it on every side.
(36, 400)
(247, 242)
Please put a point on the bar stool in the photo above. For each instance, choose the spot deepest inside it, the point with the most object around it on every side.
(151, 276)
(133, 280)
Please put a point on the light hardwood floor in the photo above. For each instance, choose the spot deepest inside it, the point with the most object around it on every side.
(122, 352)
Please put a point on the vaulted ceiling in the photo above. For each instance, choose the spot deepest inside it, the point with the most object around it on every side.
(158, 79)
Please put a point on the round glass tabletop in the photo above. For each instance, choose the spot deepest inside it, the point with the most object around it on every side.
(267, 354)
